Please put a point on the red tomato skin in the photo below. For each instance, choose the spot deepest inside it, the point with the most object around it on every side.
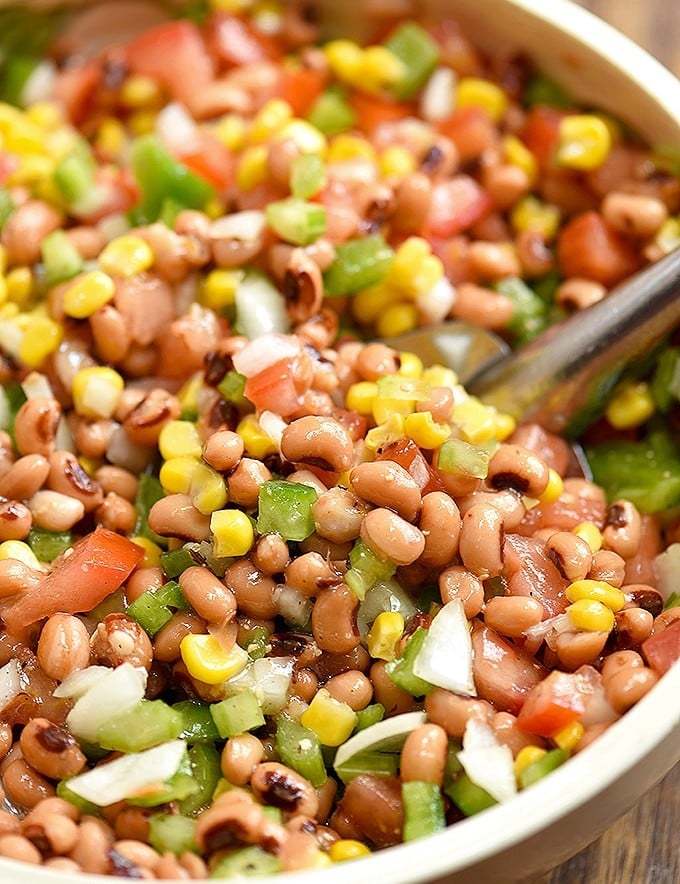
(212, 161)
(471, 130)
(552, 705)
(236, 43)
(74, 89)
(456, 205)
(175, 55)
(97, 566)
(662, 649)
(504, 674)
(300, 89)
(529, 571)
(371, 111)
(589, 248)
(406, 453)
(274, 389)
(541, 134)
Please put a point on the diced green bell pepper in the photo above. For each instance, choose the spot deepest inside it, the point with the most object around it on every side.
(359, 264)
(529, 313)
(366, 569)
(370, 715)
(419, 53)
(307, 175)
(47, 545)
(198, 725)
(172, 833)
(149, 491)
(204, 764)
(61, 259)
(423, 809)
(296, 221)
(285, 508)
(237, 715)
(401, 670)
(300, 749)
(380, 764)
(468, 796)
(175, 561)
(331, 113)
(458, 456)
(541, 768)
(148, 724)
(248, 862)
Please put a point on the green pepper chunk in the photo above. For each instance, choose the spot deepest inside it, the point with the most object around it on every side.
(543, 90)
(419, 53)
(296, 221)
(423, 809)
(359, 264)
(529, 313)
(172, 833)
(198, 725)
(149, 491)
(331, 113)
(285, 508)
(401, 670)
(61, 259)
(370, 715)
(204, 765)
(380, 764)
(541, 768)
(48, 545)
(458, 456)
(249, 862)
(300, 749)
(175, 561)
(237, 715)
(468, 796)
(148, 724)
(366, 569)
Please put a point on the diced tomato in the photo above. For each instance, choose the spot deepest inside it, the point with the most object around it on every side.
(588, 247)
(74, 89)
(274, 389)
(564, 514)
(456, 204)
(355, 424)
(471, 130)
(98, 564)
(640, 566)
(8, 163)
(301, 89)
(211, 160)
(528, 571)
(174, 54)
(552, 705)
(406, 453)
(662, 650)
(504, 674)
(236, 43)
(117, 192)
(541, 133)
(371, 111)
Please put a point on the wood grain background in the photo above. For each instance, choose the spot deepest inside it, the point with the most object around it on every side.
(644, 846)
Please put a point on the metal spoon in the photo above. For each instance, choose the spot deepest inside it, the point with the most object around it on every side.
(564, 378)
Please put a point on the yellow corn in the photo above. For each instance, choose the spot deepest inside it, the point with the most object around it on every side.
(89, 464)
(361, 396)
(19, 135)
(384, 408)
(668, 236)
(526, 756)
(344, 59)
(175, 474)
(475, 421)
(178, 438)
(350, 147)
(111, 138)
(46, 114)
(219, 288)
(33, 170)
(531, 214)
(142, 122)
(138, 92)
(631, 407)
(475, 92)
(414, 270)
(42, 337)
(553, 489)
(387, 629)
(397, 319)
(256, 442)
(233, 533)
(396, 162)
(96, 391)
(331, 720)
(438, 376)
(596, 590)
(152, 552)
(425, 431)
(505, 425)
(21, 552)
(379, 69)
(518, 154)
(3, 260)
(187, 395)
(368, 304)
(231, 131)
(585, 142)
(591, 615)
(206, 661)
(208, 489)
(3, 290)
(568, 738)
(252, 168)
(88, 294)
(307, 137)
(270, 120)
(230, 5)
(383, 434)
(126, 255)
(347, 848)
(410, 365)
(214, 209)
(19, 285)
(592, 535)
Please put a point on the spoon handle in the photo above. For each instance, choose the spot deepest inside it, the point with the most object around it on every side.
(563, 379)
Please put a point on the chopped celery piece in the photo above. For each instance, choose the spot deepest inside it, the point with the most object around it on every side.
(47, 545)
(541, 768)
(543, 90)
(665, 386)
(307, 175)
(299, 748)
(6, 205)
(61, 259)
(172, 833)
(178, 788)
(401, 669)
(248, 862)
(169, 210)
(366, 569)
(468, 796)
(18, 69)
(458, 456)
(175, 561)
(529, 313)
(296, 221)
(149, 612)
(359, 264)
(198, 725)
(204, 762)
(83, 805)
(331, 113)
(381, 764)
(149, 491)
(170, 593)
(74, 175)
(370, 715)
(160, 176)
(232, 386)
(237, 714)
(423, 809)
(257, 642)
(419, 53)
(285, 508)
(148, 724)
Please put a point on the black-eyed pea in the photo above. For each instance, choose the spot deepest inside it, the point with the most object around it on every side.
(278, 785)
(15, 520)
(622, 529)
(440, 524)
(56, 806)
(26, 476)
(176, 516)
(63, 646)
(334, 620)
(374, 806)
(385, 691)
(319, 441)
(439, 404)
(338, 515)
(392, 538)
(452, 712)
(68, 477)
(254, 591)
(424, 754)
(116, 513)
(578, 649)
(223, 450)
(481, 541)
(302, 286)
(168, 639)
(513, 615)
(457, 582)
(116, 480)
(35, 426)
(19, 848)
(207, 595)
(91, 851)
(570, 554)
(9, 823)
(633, 626)
(24, 785)
(55, 511)
(240, 756)
(387, 484)
(577, 294)
(351, 687)
(508, 503)
(634, 214)
(245, 481)
(506, 731)
(51, 832)
(5, 738)
(518, 468)
(609, 567)
(310, 573)
(51, 750)
(143, 580)
(62, 864)
(271, 554)
(620, 660)
(624, 688)
(120, 639)
(136, 852)
(16, 577)
(375, 360)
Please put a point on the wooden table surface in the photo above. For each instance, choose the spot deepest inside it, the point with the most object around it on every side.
(644, 846)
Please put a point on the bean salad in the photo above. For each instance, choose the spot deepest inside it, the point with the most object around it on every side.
(273, 594)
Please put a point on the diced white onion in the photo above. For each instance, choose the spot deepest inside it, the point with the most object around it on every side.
(130, 776)
(434, 305)
(10, 683)
(272, 677)
(36, 385)
(445, 658)
(123, 453)
(273, 425)
(488, 763)
(387, 735)
(357, 171)
(438, 99)
(260, 309)
(667, 568)
(112, 226)
(386, 595)
(39, 85)
(109, 697)
(264, 352)
(11, 337)
(246, 226)
(78, 683)
(177, 129)
(307, 477)
(293, 605)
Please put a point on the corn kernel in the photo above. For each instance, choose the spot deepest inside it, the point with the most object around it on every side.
(530, 214)
(585, 142)
(475, 92)
(410, 365)
(518, 154)
(347, 848)
(592, 535)
(368, 304)
(42, 337)
(126, 255)
(384, 408)
(344, 59)
(361, 396)
(176, 473)
(32, 171)
(3, 260)
(219, 288)
(474, 420)
(379, 69)
(331, 720)
(525, 757)
(188, 394)
(96, 391)
(631, 407)
(307, 137)
(596, 590)
(350, 147)
(3, 290)
(232, 533)
(231, 131)
(142, 122)
(387, 629)
(252, 168)
(208, 489)
(257, 443)
(206, 661)
(21, 552)
(553, 489)
(397, 319)
(438, 376)
(668, 236)
(568, 738)
(396, 162)
(414, 270)
(152, 552)
(425, 431)
(505, 425)
(19, 285)
(178, 438)
(382, 435)
(89, 464)
(270, 120)
(138, 92)
(88, 294)
(591, 615)
(46, 114)
(110, 139)
(230, 5)
(214, 209)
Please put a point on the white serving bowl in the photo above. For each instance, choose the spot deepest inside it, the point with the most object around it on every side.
(563, 813)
